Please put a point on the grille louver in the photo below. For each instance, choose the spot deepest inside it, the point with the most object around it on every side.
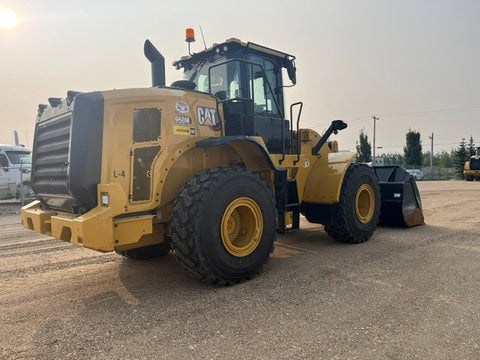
(51, 154)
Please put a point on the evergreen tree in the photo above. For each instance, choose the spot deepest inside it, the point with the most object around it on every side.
(461, 155)
(364, 149)
(445, 159)
(413, 149)
(471, 149)
(442, 159)
(393, 159)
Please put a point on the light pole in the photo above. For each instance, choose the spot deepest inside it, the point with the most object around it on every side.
(431, 156)
(374, 133)
(381, 160)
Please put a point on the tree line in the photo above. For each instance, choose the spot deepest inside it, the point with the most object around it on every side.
(414, 157)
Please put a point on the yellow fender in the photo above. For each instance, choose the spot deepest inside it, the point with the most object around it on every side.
(324, 182)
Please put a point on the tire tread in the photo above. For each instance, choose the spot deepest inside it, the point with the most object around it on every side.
(186, 213)
(342, 230)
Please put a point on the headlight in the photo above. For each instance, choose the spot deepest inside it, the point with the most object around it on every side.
(105, 199)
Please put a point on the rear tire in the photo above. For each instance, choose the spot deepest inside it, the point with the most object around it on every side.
(469, 177)
(359, 206)
(147, 252)
(223, 225)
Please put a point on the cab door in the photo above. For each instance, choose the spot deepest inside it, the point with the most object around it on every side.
(268, 118)
(5, 175)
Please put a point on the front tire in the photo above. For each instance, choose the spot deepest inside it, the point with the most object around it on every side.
(469, 177)
(359, 206)
(223, 225)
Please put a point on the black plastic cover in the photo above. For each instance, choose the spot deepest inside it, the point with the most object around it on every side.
(474, 163)
(86, 150)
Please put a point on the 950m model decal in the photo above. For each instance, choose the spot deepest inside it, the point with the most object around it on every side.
(183, 120)
(207, 116)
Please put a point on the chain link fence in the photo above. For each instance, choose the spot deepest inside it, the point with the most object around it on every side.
(435, 173)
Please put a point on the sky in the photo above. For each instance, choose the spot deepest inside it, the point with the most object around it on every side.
(412, 63)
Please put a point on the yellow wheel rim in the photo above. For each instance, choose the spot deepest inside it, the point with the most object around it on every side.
(241, 227)
(365, 203)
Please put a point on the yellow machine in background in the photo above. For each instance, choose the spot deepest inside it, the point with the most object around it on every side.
(471, 171)
(209, 167)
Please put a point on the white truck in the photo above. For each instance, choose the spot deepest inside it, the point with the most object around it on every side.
(15, 167)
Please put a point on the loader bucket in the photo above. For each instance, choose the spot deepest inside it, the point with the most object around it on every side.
(401, 204)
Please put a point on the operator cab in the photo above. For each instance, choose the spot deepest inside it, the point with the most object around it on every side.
(247, 79)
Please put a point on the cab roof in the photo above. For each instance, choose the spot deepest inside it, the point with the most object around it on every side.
(230, 45)
(4, 147)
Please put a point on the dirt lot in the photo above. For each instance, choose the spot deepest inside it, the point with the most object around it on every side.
(406, 294)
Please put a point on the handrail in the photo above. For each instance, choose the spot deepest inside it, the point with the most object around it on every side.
(298, 128)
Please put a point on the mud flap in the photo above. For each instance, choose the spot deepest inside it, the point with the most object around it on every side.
(401, 203)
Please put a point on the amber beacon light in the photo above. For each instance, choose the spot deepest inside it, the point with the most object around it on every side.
(189, 35)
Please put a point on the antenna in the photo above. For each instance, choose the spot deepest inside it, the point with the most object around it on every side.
(203, 37)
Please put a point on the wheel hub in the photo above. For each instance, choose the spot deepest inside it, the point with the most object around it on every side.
(241, 227)
(365, 203)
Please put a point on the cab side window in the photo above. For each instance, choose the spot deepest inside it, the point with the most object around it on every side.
(265, 87)
(259, 90)
(263, 97)
(218, 82)
(3, 162)
(226, 81)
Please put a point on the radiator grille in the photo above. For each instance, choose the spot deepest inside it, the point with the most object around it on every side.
(51, 150)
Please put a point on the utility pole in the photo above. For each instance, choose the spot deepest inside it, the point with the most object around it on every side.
(431, 156)
(374, 133)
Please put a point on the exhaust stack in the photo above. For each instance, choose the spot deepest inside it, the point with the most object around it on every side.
(158, 63)
(15, 135)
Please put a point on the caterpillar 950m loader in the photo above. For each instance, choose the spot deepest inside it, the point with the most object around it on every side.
(471, 169)
(208, 167)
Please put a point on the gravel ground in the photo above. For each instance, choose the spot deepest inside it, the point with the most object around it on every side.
(11, 207)
(405, 294)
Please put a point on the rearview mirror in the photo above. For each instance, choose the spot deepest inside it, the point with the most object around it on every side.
(291, 71)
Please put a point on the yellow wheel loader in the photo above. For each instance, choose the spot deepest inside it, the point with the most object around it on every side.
(209, 167)
(471, 170)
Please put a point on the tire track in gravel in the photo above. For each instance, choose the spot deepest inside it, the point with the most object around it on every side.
(66, 247)
(12, 236)
(34, 243)
(102, 259)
